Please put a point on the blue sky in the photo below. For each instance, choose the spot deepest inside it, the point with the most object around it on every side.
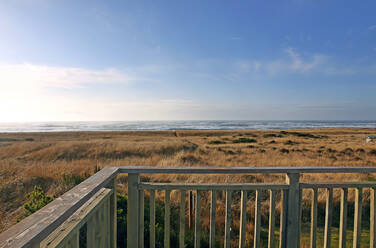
(185, 60)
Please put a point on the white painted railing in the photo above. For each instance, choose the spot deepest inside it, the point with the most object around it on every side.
(93, 204)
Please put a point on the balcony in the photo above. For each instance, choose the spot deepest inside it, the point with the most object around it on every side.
(88, 213)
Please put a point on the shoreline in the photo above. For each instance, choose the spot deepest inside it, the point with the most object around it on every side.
(134, 126)
(162, 131)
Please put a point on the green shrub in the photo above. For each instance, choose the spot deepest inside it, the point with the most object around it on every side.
(301, 134)
(216, 142)
(372, 152)
(37, 199)
(272, 135)
(290, 143)
(244, 140)
(251, 135)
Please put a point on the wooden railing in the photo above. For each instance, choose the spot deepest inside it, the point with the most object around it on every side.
(92, 204)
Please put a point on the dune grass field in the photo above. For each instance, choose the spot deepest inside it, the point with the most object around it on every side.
(58, 161)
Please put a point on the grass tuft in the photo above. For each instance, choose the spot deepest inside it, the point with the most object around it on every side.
(244, 140)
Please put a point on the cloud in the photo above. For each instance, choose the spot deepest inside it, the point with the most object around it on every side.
(294, 63)
(298, 64)
(373, 27)
(28, 76)
(26, 89)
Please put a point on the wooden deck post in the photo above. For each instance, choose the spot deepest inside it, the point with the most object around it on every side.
(133, 210)
(293, 210)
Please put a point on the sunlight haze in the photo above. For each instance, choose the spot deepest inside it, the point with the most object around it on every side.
(187, 60)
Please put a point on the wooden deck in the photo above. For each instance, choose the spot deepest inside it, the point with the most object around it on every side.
(93, 202)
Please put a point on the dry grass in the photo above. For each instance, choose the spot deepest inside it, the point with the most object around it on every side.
(27, 159)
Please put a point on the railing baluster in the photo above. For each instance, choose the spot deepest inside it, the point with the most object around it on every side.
(213, 208)
(197, 219)
(76, 239)
(113, 216)
(328, 217)
(142, 218)
(283, 219)
(228, 218)
(101, 229)
(97, 227)
(190, 209)
(182, 219)
(152, 218)
(256, 237)
(243, 218)
(314, 218)
(167, 220)
(300, 214)
(271, 218)
(133, 210)
(357, 217)
(372, 218)
(105, 224)
(90, 232)
(343, 219)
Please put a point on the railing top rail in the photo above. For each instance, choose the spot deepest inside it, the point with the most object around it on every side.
(242, 170)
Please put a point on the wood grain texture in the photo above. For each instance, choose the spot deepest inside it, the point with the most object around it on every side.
(243, 218)
(328, 218)
(183, 186)
(38, 226)
(182, 219)
(34, 229)
(213, 208)
(228, 219)
(256, 237)
(357, 217)
(198, 220)
(141, 221)
(372, 218)
(133, 211)
(242, 170)
(343, 219)
(314, 218)
(293, 210)
(85, 213)
(283, 219)
(152, 219)
(272, 199)
(167, 220)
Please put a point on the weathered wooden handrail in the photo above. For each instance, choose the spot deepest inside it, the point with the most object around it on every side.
(36, 228)
(31, 231)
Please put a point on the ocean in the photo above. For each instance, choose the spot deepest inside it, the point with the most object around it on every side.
(176, 125)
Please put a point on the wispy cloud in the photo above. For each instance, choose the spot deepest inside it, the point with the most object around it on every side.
(32, 75)
(373, 27)
(294, 63)
(300, 65)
